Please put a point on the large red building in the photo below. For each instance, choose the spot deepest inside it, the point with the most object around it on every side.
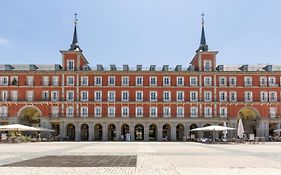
(84, 103)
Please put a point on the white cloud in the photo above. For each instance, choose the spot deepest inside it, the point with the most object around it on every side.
(4, 42)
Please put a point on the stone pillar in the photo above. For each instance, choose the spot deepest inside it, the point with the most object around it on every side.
(132, 131)
(77, 131)
(91, 131)
(266, 130)
(146, 132)
(186, 131)
(104, 132)
(62, 130)
(173, 131)
(160, 132)
(233, 124)
(118, 131)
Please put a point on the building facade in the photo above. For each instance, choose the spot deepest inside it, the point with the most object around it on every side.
(145, 104)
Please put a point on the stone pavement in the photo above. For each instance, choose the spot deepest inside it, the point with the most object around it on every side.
(152, 158)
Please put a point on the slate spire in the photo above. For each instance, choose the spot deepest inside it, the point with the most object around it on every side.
(203, 46)
(74, 46)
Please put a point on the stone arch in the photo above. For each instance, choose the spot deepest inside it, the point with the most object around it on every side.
(250, 119)
(180, 132)
(139, 132)
(153, 132)
(193, 134)
(125, 131)
(30, 115)
(70, 132)
(84, 132)
(98, 132)
(111, 128)
(166, 131)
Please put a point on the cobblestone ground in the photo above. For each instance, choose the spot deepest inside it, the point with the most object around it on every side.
(152, 158)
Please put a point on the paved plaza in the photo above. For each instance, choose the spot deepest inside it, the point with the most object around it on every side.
(139, 158)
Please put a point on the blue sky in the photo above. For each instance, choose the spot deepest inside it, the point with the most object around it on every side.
(140, 32)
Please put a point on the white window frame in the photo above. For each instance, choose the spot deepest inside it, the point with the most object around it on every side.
(45, 80)
(182, 96)
(235, 96)
(223, 112)
(207, 112)
(98, 81)
(180, 114)
(153, 111)
(222, 81)
(164, 96)
(98, 95)
(3, 111)
(248, 81)
(196, 96)
(232, 81)
(45, 95)
(207, 68)
(207, 96)
(14, 95)
(270, 99)
(137, 82)
(111, 111)
(250, 93)
(223, 96)
(264, 96)
(84, 81)
(110, 97)
(208, 81)
(150, 81)
(69, 66)
(55, 80)
(125, 111)
(68, 82)
(29, 95)
(69, 111)
(122, 96)
(139, 111)
(180, 83)
(166, 111)
(53, 95)
(139, 92)
(30, 80)
(110, 82)
(55, 111)
(166, 81)
(84, 111)
(263, 81)
(4, 95)
(86, 97)
(150, 95)
(272, 81)
(193, 111)
(193, 81)
(98, 111)
(272, 112)
(125, 80)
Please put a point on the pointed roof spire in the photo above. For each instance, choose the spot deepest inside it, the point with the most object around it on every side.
(74, 46)
(203, 46)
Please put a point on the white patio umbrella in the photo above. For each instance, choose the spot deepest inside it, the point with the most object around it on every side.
(17, 127)
(44, 129)
(240, 130)
(277, 130)
(213, 128)
(224, 131)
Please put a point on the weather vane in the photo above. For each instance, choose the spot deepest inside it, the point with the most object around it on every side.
(203, 18)
(75, 18)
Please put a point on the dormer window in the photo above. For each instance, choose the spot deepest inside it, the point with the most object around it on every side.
(70, 64)
(207, 65)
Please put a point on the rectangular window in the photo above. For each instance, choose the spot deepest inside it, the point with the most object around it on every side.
(153, 95)
(98, 95)
(84, 81)
(208, 112)
(180, 96)
(84, 96)
(139, 111)
(223, 96)
(29, 96)
(207, 96)
(30, 81)
(69, 111)
(193, 96)
(263, 81)
(166, 81)
(139, 95)
(193, 111)
(272, 96)
(125, 81)
(4, 81)
(69, 95)
(166, 111)
(84, 111)
(70, 81)
(125, 111)
(223, 112)
(3, 111)
(232, 81)
(54, 96)
(111, 96)
(263, 96)
(70, 64)
(248, 81)
(45, 80)
(153, 81)
(180, 111)
(222, 81)
(232, 96)
(248, 96)
(111, 81)
(180, 81)
(55, 80)
(139, 81)
(111, 111)
(14, 80)
(98, 111)
(45, 95)
(166, 96)
(271, 81)
(207, 81)
(4, 95)
(193, 81)
(125, 95)
(55, 111)
(98, 81)
(14, 95)
(207, 65)
(153, 111)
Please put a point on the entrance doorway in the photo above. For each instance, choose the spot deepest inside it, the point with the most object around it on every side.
(84, 132)
(152, 132)
(139, 132)
(70, 132)
(250, 119)
(180, 132)
(98, 132)
(166, 132)
(111, 132)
